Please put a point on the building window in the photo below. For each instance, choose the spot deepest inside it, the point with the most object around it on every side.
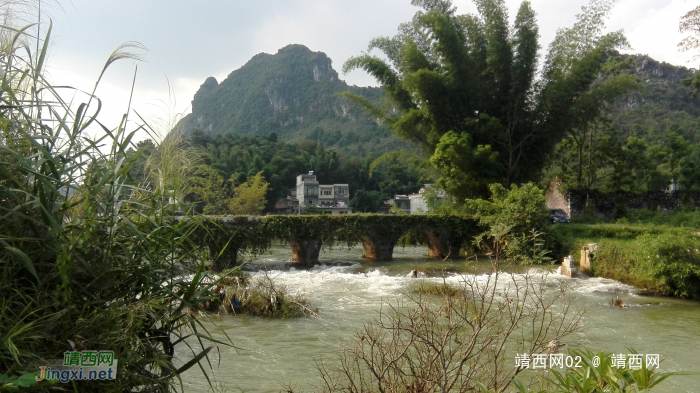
(341, 190)
(326, 192)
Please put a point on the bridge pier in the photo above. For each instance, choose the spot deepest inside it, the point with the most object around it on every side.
(441, 245)
(377, 248)
(227, 260)
(305, 250)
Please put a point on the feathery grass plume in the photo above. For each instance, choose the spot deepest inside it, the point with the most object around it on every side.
(171, 167)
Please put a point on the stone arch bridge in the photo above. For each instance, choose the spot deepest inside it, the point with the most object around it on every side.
(228, 237)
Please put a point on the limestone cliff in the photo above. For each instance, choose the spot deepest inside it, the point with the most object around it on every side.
(293, 94)
(662, 105)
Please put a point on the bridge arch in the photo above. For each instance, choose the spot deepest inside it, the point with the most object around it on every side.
(228, 237)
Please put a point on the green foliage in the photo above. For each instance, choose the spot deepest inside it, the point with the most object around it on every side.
(395, 209)
(682, 217)
(169, 166)
(219, 197)
(86, 254)
(209, 189)
(463, 88)
(292, 94)
(617, 259)
(645, 140)
(399, 173)
(311, 210)
(241, 294)
(694, 84)
(367, 201)
(24, 383)
(673, 260)
(256, 302)
(238, 158)
(466, 172)
(658, 259)
(229, 239)
(519, 214)
(249, 197)
(438, 289)
(608, 231)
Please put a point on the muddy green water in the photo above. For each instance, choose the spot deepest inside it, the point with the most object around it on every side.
(276, 353)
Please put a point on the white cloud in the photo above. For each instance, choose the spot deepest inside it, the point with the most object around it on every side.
(651, 27)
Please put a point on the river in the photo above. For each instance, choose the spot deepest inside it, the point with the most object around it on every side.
(274, 353)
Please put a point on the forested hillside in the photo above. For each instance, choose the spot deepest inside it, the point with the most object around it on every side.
(661, 103)
(280, 114)
(230, 160)
(649, 139)
(292, 94)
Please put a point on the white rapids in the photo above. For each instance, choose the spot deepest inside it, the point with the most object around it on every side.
(272, 354)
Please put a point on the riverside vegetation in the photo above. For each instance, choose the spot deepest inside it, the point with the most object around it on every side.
(617, 122)
(92, 257)
(657, 252)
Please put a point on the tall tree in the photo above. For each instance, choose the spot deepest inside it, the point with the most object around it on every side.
(209, 190)
(592, 105)
(690, 23)
(249, 198)
(474, 76)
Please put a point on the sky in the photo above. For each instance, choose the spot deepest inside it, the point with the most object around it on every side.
(188, 41)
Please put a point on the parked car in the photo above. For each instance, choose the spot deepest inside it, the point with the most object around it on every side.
(558, 216)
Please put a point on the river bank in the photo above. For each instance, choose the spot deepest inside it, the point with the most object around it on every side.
(659, 260)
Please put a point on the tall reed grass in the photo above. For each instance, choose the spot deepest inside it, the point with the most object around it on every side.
(89, 259)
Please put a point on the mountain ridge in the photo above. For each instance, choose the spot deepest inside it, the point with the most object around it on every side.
(662, 106)
(293, 94)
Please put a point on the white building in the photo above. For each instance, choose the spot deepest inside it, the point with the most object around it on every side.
(419, 202)
(333, 198)
(307, 189)
(400, 201)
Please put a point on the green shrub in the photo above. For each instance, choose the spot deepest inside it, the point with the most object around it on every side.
(673, 259)
(659, 259)
(605, 231)
(617, 259)
(683, 217)
(519, 215)
(240, 294)
(429, 288)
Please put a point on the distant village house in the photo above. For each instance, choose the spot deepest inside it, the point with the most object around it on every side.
(332, 198)
(414, 203)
